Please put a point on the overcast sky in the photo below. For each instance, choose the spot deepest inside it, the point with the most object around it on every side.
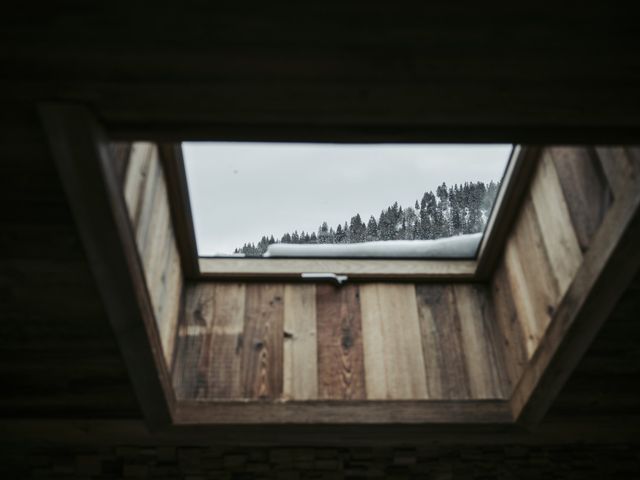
(241, 191)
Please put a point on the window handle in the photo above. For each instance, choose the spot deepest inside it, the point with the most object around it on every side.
(329, 277)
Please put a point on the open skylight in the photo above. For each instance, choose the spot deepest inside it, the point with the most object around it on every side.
(272, 200)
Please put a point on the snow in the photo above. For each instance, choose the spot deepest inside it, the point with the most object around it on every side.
(461, 246)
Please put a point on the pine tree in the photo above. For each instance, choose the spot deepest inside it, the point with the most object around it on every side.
(357, 230)
(460, 209)
(372, 230)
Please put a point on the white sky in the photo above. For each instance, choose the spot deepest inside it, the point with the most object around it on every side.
(241, 191)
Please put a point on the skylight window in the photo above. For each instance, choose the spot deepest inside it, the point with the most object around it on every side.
(295, 200)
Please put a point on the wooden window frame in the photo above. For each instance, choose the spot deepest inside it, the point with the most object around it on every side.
(81, 151)
(514, 181)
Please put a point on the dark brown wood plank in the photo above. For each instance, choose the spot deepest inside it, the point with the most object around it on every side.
(262, 341)
(447, 376)
(190, 370)
(585, 188)
(341, 373)
(120, 152)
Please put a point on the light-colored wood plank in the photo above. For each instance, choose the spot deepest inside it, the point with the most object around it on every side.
(300, 343)
(150, 214)
(262, 341)
(479, 341)
(135, 180)
(445, 367)
(226, 327)
(394, 363)
(340, 350)
(534, 287)
(511, 334)
(561, 243)
(145, 208)
(292, 268)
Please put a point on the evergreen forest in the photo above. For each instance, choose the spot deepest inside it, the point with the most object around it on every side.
(450, 211)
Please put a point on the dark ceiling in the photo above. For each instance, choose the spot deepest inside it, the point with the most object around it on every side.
(565, 72)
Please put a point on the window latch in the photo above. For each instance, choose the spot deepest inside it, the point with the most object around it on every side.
(328, 277)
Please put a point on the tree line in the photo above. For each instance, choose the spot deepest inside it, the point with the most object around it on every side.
(450, 211)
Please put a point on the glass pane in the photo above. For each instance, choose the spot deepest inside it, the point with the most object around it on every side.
(342, 200)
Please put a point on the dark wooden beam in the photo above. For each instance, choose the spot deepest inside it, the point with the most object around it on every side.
(81, 152)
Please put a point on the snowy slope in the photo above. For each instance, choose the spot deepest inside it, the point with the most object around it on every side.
(461, 246)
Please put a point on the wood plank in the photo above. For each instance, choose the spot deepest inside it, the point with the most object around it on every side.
(222, 268)
(144, 209)
(135, 180)
(180, 205)
(226, 326)
(617, 167)
(585, 188)
(394, 363)
(262, 341)
(120, 152)
(514, 187)
(300, 343)
(511, 332)
(462, 413)
(189, 371)
(215, 312)
(445, 368)
(533, 286)
(149, 209)
(552, 213)
(340, 351)
(479, 341)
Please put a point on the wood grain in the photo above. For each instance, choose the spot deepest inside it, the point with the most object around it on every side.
(262, 342)
(512, 335)
(533, 286)
(445, 367)
(300, 343)
(221, 268)
(585, 188)
(340, 351)
(552, 214)
(394, 363)
(190, 370)
(479, 342)
(145, 193)
(610, 263)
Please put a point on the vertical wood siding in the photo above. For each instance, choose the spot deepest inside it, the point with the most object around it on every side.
(320, 342)
(568, 198)
(145, 193)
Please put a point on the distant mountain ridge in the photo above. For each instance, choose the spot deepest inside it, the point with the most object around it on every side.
(450, 211)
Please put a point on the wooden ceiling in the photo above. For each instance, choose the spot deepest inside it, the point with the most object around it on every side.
(400, 70)
(521, 72)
